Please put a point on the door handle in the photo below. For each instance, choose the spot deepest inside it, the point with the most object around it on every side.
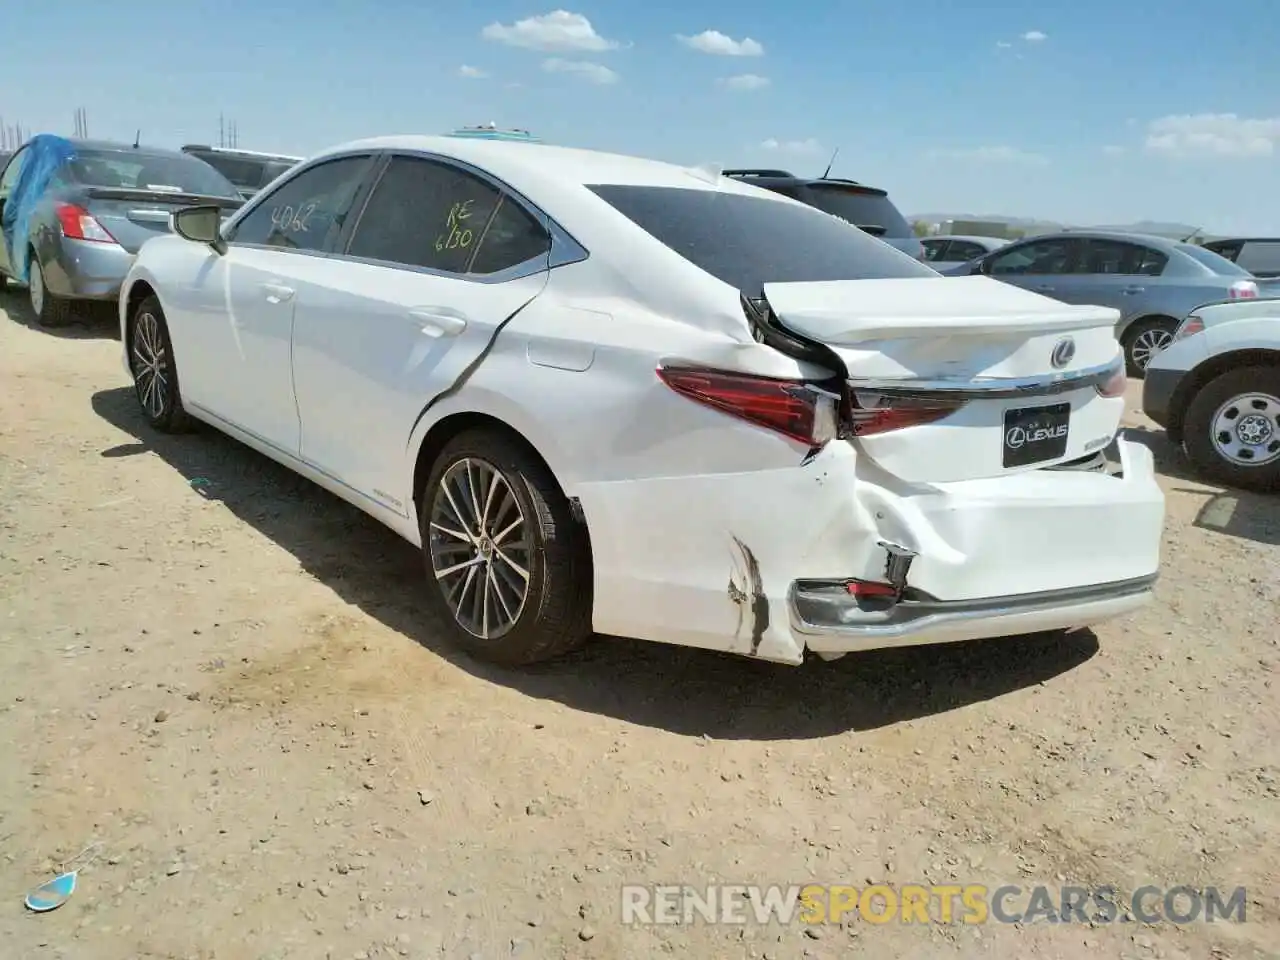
(1134, 289)
(1044, 288)
(277, 292)
(439, 323)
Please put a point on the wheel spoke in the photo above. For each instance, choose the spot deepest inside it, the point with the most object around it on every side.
(450, 532)
(520, 571)
(447, 571)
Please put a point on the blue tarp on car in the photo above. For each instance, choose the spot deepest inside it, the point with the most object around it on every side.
(45, 153)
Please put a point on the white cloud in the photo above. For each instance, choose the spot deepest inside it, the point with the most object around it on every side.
(552, 32)
(1003, 44)
(1111, 150)
(995, 154)
(471, 73)
(1035, 36)
(793, 146)
(744, 82)
(1214, 135)
(718, 44)
(591, 72)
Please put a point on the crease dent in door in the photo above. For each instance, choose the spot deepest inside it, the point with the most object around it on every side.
(466, 372)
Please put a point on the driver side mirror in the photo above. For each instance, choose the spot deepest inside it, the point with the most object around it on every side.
(200, 225)
(980, 266)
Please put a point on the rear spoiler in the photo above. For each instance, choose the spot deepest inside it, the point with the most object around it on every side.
(135, 193)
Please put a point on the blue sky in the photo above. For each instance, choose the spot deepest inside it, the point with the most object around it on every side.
(1088, 111)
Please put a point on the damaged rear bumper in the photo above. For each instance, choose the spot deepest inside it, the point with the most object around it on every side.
(833, 621)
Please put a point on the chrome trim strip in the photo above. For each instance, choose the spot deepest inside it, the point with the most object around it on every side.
(957, 388)
(918, 616)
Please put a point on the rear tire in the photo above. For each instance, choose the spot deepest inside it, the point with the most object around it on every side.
(508, 567)
(1144, 340)
(1232, 428)
(50, 309)
(155, 371)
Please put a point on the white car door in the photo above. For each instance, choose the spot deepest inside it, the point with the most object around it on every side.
(437, 262)
(236, 339)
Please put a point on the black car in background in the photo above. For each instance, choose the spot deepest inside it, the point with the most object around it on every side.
(248, 170)
(868, 208)
(1259, 255)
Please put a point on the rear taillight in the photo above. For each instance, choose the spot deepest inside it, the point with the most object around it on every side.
(78, 224)
(1189, 328)
(1242, 290)
(1113, 386)
(794, 408)
(872, 413)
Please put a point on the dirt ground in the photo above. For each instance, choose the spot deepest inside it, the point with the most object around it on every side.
(222, 674)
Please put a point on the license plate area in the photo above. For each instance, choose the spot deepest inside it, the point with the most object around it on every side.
(1035, 434)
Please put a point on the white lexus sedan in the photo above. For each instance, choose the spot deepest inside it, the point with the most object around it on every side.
(616, 395)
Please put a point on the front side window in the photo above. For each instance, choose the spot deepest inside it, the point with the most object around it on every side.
(11, 172)
(1039, 257)
(934, 250)
(961, 251)
(428, 214)
(747, 241)
(307, 211)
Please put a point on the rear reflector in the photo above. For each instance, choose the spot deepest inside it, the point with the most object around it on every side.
(78, 224)
(1115, 386)
(870, 588)
(1189, 328)
(793, 408)
(872, 413)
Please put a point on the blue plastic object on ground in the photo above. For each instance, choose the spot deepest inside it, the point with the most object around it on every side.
(44, 154)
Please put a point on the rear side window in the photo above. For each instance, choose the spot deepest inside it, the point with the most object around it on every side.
(935, 250)
(1115, 257)
(749, 241)
(427, 214)
(869, 210)
(307, 211)
(961, 251)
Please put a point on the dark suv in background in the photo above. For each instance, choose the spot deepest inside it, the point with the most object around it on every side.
(1259, 255)
(248, 170)
(867, 208)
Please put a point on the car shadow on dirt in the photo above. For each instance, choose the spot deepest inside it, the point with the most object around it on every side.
(682, 690)
(1236, 513)
(89, 320)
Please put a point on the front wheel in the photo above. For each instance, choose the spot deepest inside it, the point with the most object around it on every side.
(1144, 340)
(155, 374)
(1232, 428)
(508, 566)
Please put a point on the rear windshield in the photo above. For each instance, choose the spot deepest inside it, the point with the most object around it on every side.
(1207, 258)
(750, 241)
(247, 173)
(873, 212)
(139, 170)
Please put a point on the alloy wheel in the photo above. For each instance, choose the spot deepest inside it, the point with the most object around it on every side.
(480, 548)
(1147, 344)
(35, 286)
(1246, 430)
(150, 365)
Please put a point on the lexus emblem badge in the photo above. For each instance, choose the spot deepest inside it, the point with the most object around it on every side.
(1063, 352)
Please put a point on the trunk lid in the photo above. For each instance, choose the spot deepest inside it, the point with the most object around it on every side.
(135, 216)
(1018, 371)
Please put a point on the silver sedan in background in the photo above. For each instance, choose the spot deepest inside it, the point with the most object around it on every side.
(93, 215)
(1152, 281)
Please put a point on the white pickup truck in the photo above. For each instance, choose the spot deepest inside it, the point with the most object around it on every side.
(1216, 391)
